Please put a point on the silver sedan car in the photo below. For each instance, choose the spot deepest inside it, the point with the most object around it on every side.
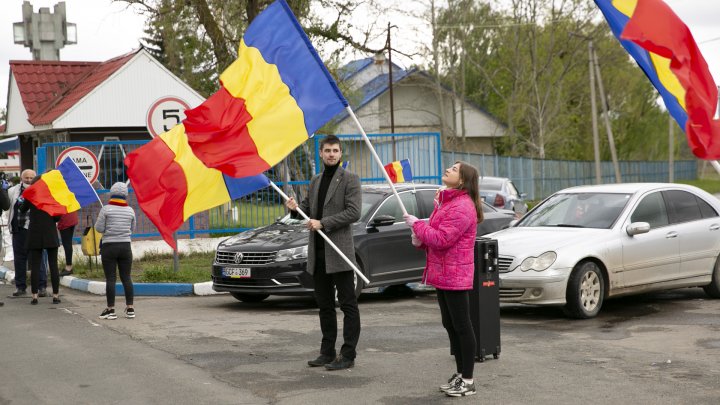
(585, 244)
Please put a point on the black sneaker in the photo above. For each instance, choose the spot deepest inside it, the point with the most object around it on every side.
(34, 301)
(451, 382)
(42, 293)
(461, 389)
(130, 313)
(340, 363)
(66, 273)
(321, 361)
(19, 293)
(56, 300)
(1, 303)
(108, 314)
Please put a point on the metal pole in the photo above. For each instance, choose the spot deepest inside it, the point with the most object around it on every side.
(390, 87)
(327, 240)
(176, 259)
(377, 158)
(671, 149)
(593, 107)
(608, 129)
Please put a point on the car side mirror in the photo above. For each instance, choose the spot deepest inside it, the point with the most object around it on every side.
(637, 228)
(382, 220)
(523, 195)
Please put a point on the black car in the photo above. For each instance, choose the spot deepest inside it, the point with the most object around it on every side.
(272, 259)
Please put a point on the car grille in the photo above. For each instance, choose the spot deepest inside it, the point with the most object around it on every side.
(258, 283)
(248, 258)
(511, 292)
(504, 263)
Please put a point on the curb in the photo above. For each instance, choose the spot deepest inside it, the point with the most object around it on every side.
(139, 289)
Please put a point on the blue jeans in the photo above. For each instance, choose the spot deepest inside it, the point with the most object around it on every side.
(20, 261)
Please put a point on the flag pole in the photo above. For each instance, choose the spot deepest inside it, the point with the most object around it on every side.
(327, 240)
(377, 158)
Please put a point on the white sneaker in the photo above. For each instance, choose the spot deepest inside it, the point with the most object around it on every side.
(108, 314)
(461, 389)
(451, 382)
(130, 313)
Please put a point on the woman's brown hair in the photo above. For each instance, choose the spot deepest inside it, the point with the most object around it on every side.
(470, 182)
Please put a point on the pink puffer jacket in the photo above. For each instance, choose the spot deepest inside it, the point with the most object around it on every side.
(449, 240)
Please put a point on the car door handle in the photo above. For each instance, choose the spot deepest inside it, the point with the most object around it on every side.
(714, 227)
(671, 235)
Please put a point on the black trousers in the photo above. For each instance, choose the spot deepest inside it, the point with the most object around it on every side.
(455, 313)
(66, 236)
(117, 256)
(325, 285)
(36, 269)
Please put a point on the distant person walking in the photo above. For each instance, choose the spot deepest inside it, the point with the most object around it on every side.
(449, 241)
(41, 235)
(4, 202)
(116, 221)
(66, 227)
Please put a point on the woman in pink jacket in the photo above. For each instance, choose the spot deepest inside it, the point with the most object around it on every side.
(449, 241)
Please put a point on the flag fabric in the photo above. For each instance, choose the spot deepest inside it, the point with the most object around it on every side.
(664, 48)
(399, 171)
(61, 191)
(171, 183)
(273, 98)
(345, 164)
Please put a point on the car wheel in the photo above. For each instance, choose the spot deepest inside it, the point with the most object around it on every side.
(713, 289)
(585, 291)
(249, 297)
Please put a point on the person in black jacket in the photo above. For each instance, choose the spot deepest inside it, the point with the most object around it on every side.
(4, 200)
(42, 234)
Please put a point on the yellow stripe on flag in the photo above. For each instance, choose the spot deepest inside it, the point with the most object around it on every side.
(205, 187)
(626, 7)
(398, 171)
(60, 191)
(276, 114)
(668, 78)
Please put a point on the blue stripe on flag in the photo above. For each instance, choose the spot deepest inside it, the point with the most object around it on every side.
(77, 183)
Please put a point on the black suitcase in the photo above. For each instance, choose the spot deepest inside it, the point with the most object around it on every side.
(485, 299)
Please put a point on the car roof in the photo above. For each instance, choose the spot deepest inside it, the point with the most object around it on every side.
(627, 188)
(384, 188)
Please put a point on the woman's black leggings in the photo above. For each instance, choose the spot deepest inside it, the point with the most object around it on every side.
(66, 235)
(455, 312)
(36, 258)
(117, 255)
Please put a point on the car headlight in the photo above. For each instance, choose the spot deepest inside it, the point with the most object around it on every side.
(291, 254)
(539, 263)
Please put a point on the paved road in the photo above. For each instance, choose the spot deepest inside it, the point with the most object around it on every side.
(659, 349)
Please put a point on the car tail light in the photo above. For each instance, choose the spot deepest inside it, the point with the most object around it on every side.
(499, 201)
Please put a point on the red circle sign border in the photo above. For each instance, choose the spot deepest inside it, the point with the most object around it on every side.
(155, 105)
(80, 148)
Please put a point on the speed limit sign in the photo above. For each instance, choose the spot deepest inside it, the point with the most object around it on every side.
(164, 114)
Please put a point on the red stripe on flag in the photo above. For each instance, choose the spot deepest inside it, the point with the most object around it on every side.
(390, 169)
(160, 186)
(41, 197)
(218, 135)
(656, 28)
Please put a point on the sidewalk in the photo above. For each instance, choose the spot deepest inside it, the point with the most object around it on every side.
(140, 249)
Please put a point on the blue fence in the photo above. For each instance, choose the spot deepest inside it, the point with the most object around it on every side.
(539, 178)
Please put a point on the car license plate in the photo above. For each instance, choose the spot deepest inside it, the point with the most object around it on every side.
(236, 272)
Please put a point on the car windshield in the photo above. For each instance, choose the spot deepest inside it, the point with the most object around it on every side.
(578, 210)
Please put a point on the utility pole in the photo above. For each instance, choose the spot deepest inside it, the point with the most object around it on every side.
(390, 87)
(608, 129)
(671, 149)
(593, 107)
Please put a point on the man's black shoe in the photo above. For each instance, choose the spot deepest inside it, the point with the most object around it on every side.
(320, 361)
(340, 363)
(42, 293)
(66, 273)
(19, 293)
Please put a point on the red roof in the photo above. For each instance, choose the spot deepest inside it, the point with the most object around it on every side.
(49, 88)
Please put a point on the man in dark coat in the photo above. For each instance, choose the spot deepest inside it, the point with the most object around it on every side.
(333, 204)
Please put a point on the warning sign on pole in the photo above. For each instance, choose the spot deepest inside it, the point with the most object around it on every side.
(84, 159)
(164, 114)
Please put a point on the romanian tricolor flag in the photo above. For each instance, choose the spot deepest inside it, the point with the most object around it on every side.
(273, 98)
(665, 50)
(171, 183)
(63, 190)
(399, 171)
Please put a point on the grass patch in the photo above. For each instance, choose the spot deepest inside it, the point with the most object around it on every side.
(710, 185)
(154, 268)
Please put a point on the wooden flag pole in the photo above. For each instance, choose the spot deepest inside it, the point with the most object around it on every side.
(377, 158)
(327, 240)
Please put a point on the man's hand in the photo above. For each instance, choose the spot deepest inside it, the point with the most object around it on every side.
(291, 204)
(314, 225)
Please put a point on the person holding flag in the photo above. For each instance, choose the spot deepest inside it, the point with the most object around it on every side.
(449, 242)
(334, 200)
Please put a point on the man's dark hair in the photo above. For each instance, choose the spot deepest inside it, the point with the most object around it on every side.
(330, 140)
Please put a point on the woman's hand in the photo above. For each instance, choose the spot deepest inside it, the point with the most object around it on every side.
(410, 219)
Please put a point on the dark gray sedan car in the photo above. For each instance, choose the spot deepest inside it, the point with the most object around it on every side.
(272, 259)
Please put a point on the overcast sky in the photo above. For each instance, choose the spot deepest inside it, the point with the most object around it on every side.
(107, 29)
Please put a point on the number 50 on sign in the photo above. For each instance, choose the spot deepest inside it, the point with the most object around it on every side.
(164, 114)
